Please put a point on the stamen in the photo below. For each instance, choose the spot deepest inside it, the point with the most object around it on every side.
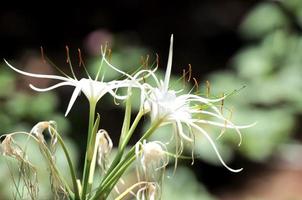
(225, 120)
(196, 85)
(142, 61)
(81, 62)
(190, 73)
(222, 104)
(109, 54)
(103, 52)
(67, 54)
(147, 61)
(68, 61)
(208, 86)
(80, 58)
(157, 60)
(42, 55)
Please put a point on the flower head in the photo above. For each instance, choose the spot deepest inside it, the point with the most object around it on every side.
(183, 111)
(152, 159)
(104, 146)
(93, 89)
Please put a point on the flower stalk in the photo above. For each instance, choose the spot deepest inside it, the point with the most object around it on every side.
(92, 130)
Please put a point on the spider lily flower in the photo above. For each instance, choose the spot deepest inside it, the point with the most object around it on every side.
(183, 112)
(152, 159)
(93, 89)
(104, 146)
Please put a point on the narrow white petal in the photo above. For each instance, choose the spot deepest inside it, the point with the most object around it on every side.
(192, 97)
(215, 148)
(150, 73)
(226, 125)
(181, 132)
(74, 96)
(117, 96)
(116, 69)
(37, 75)
(169, 66)
(51, 87)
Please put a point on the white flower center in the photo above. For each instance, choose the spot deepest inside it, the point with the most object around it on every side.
(93, 90)
(152, 153)
(165, 104)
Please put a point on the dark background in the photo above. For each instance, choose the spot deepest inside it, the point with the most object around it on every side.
(205, 31)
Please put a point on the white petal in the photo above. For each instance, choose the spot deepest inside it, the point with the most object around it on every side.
(169, 66)
(38, 75)
(74, 96)
(180, 130)
(51, 87)
(215, 148)
(116, 69)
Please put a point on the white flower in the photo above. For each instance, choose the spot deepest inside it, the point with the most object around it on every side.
(93, 89)
(182, 110)
(152, 159)
(104, 146)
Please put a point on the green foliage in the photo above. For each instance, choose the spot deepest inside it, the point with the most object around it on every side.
(271, 70)
(264, 18)
(183, 185)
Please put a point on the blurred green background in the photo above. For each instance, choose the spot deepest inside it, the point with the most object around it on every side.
(233, 44)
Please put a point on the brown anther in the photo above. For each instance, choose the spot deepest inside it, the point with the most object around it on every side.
(109, 54)
(157, 60)
(208, 86)
(81, 62)
(67, 54)
(190, 73)
(42, 55)
(196, 84)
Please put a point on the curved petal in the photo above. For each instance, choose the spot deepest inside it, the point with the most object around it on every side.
(38, 75)
(114, 68)
(228, 123)
(181, 132)
(51, 87)
(117, 96)
(215, 148)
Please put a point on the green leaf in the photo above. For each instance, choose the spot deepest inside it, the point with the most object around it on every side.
(262, 19)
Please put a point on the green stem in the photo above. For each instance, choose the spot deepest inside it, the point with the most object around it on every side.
(132, 129)
(106, 185)
(89, 150)
(71, 167)
(127, 118)
(123, 143)
(52, 166)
